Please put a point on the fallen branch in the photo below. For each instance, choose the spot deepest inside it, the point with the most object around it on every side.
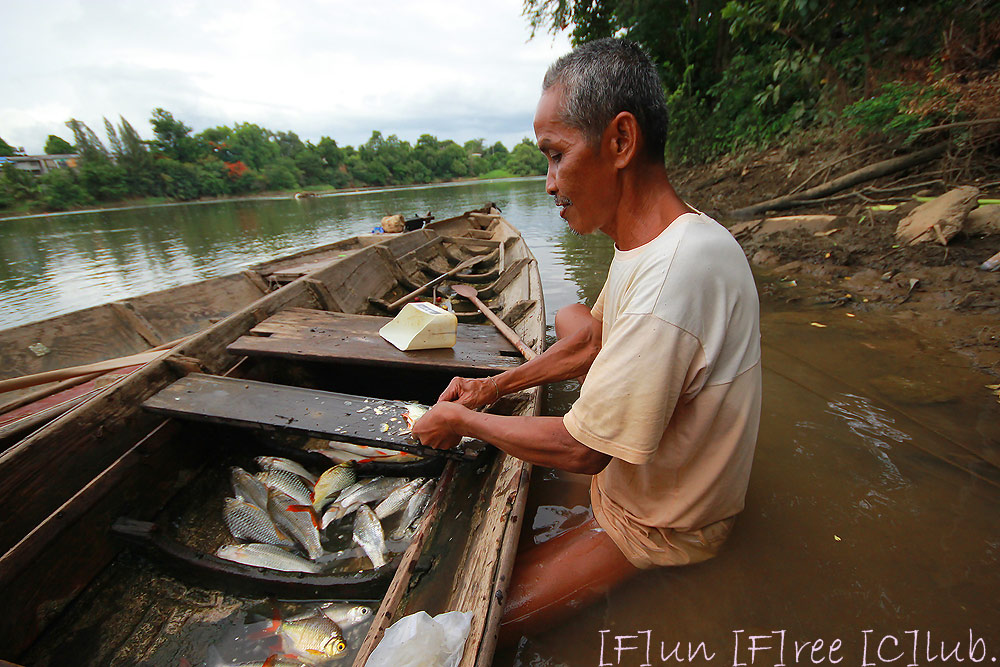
(830, 165)
(868, 173)
(963, 123)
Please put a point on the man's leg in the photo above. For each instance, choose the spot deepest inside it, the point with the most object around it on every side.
(555, 579)
(558, 578)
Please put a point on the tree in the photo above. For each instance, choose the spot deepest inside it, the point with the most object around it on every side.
(55, 145)
(526, 159)
(87, 142)
(134, 158)
(253, 145)
(6, 150)
(172, 138)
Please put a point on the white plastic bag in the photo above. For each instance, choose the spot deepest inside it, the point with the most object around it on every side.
(418, 640)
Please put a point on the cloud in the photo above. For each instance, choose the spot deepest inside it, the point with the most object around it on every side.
(342, 69)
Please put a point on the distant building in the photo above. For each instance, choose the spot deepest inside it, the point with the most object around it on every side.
(41, 164)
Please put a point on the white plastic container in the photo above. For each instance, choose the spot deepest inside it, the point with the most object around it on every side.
(421, 326)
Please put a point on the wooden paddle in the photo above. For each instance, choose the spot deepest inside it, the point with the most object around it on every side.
(400, 302)
(472, 294)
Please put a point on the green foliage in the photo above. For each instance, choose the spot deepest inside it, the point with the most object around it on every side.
(6, 150)
(526, 159)
(281, 175)
(62, 190)
(179, 180)
(739, 73)
(247, 158)
(890, 113)
(103, 180)
(17, 185)
(497, 173)
(55, 145)
(172, 138)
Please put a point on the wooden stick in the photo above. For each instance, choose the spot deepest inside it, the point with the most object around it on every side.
(48, 391)
(398, 303)
(73, 374)
(64, 373)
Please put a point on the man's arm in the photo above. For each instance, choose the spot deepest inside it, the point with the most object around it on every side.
(539, 440)
(570, 357)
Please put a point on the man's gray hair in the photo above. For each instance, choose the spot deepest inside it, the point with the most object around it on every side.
(600, 79)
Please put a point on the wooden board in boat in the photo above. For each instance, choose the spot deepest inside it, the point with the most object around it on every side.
(315, 335)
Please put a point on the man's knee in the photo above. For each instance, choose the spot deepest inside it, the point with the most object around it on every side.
(571, 319)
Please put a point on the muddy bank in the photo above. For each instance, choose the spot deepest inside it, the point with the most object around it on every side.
(852, 260)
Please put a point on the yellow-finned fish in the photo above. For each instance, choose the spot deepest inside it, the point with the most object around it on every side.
(336, 479)
(314, 636)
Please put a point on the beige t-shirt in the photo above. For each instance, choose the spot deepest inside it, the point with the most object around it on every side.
(674, 394)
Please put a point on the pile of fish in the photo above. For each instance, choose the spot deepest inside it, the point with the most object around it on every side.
(285, 517)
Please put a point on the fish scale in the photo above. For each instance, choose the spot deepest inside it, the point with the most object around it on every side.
(332, 481)
(398, 499)
(288, 483)
(297, 520)
(247, 487)
(266, 555)
(368, 533)
(375, 491)
(246, 520)
(278, 463)
(314, 636)
(414, 508)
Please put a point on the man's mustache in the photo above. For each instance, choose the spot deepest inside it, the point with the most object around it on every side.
(563, 201)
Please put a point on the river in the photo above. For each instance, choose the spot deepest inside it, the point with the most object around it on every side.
(871, 529)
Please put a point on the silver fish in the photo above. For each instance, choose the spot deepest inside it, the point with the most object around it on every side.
(297, 520)
(372, 492)
(377, 490)
(398, 499)
(249, 488)
(288, 483)
(314, 637)
(346, 615)
(414, 509)
(330, 482)
(246, 520)
(278, 463)
(368, 533)
(266, 555)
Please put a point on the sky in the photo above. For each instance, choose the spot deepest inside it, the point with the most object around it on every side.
(456, 70)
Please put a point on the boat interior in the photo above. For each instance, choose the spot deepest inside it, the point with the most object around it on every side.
(113, 509)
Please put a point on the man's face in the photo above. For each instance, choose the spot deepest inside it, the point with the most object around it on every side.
(577, 176)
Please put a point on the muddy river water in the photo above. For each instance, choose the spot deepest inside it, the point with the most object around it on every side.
(871, 534)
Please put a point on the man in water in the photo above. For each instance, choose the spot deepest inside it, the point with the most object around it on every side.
(669, 405)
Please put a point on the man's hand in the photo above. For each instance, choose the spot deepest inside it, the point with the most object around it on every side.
(470, 392)
(437, 428)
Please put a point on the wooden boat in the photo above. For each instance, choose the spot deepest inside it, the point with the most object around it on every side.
(110, 467)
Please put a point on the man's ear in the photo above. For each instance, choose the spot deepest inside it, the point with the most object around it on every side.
(622, 136)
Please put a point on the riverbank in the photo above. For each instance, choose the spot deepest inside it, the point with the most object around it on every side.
(852, 262)
(275, 195)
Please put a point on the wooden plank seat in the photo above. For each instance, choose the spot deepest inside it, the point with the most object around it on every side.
(302, 334)
(373, 422)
